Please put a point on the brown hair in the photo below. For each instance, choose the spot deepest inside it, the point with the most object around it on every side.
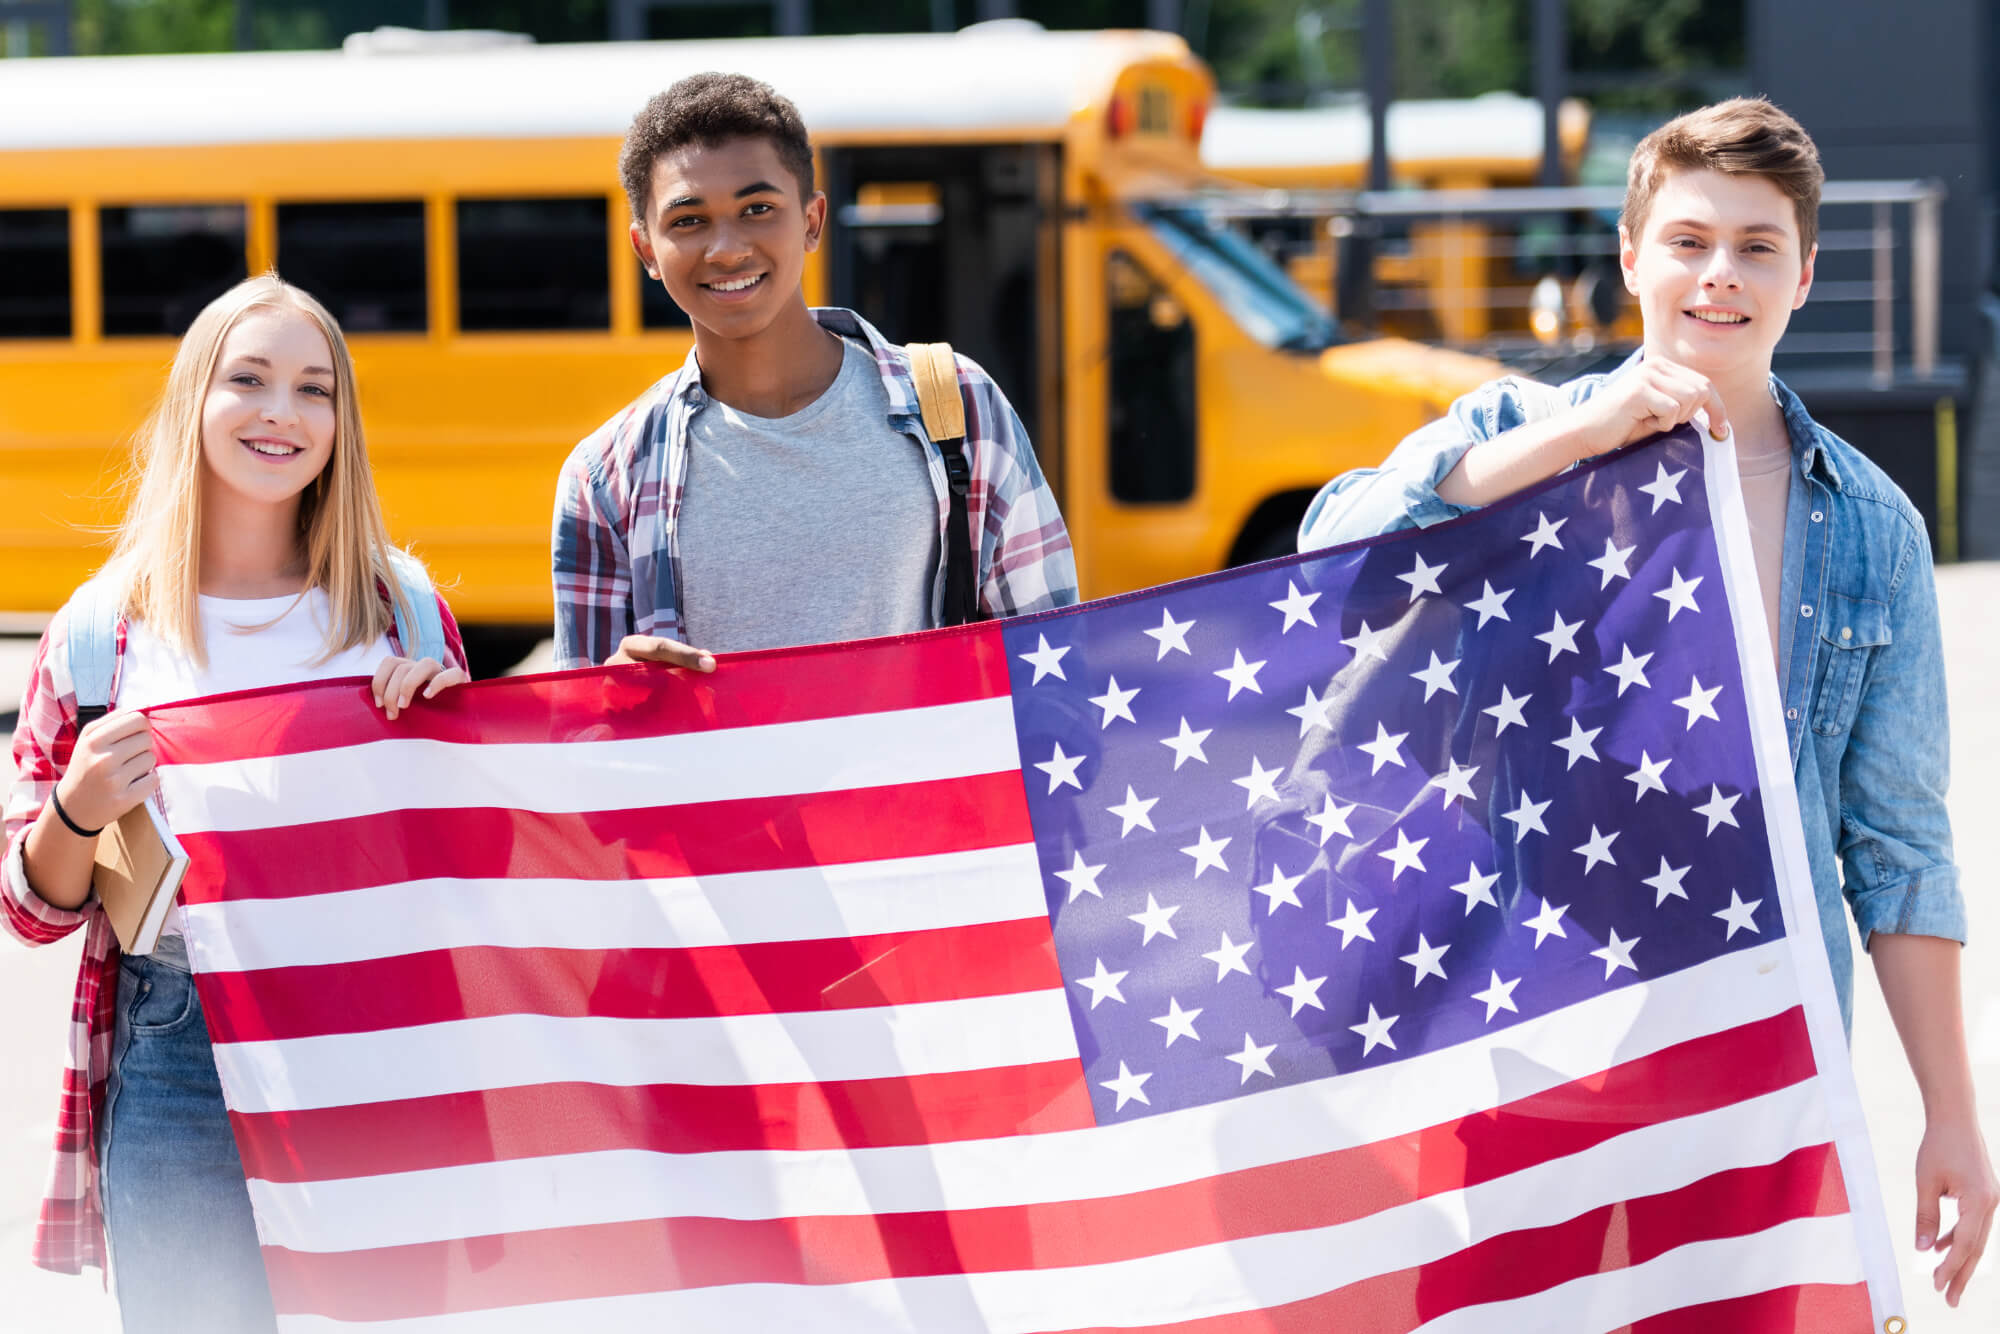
(710, 110)
(1745, 136)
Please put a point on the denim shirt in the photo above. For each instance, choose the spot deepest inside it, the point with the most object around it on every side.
(1863, 687)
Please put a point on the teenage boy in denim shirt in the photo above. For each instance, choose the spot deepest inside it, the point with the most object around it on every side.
(1717, 243)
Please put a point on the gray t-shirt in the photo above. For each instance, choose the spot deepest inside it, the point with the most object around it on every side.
(806, 529)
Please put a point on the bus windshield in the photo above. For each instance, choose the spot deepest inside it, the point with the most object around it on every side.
(1256, 292)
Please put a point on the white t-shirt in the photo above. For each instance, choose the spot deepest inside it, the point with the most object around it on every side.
(251, 643)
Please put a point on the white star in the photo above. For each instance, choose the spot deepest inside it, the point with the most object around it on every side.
(1368, 643)
(1178, 1022)
(1303, 991)
(1423, 578)
(1740, 915)
(1297, 607)
(1544, 535)
(1313, 713)
(1498, 996)
(1128, 1086)
(1332, 820)
(1170, 635)
(1116, 703)
(1280, 888)
(1436, 677)
(1158, 921)
(1630, 670)
(1081, 879)
(1616, 954)
(1527, 817)
(1103, 985)
(1613, 562)
(1490, 604)
(1355, 923)
(1254, 1059)
(1046, 661)
(1242, 676)
(1508, 710)
(1717, 808)
(1259, 782)
(1680, 597)
(1384, 748)
(1207, 853)
(1426, 960)
(1061, 770)
(1598, 849)
(1548, 922)
(1134, 812)
(1665, 486)
(1404, 855)
(1228, 958)
(1457, 783)
(1477, 888)
(1187, 746)
(1667, 884)
(1560, 637)
(1578, 743)
(1375, 1031)
(1699, 703)
(1646, 778)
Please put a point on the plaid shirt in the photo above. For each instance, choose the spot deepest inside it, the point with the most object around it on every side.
(617, 545)
(69, 1234)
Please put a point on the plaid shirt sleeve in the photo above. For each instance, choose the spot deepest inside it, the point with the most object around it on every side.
(593, 570)
(1025, 561)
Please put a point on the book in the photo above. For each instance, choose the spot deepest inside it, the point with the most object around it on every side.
(139, 868)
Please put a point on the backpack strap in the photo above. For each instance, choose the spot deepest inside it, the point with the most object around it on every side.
(421, 629)
(943, 406)
(93, 647)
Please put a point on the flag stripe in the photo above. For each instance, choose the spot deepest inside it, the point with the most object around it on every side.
(704, 838)
(483, 982)
(1819, 1308)
(670, 1254)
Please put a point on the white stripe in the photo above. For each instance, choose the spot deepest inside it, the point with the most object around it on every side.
(726, 764)
(510, 1051)
(1145, 1154)
(804, 903)
(1204, 1281)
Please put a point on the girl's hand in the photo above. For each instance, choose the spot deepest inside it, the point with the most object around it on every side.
(110, 770)
(397, 680)
(1951, 1161)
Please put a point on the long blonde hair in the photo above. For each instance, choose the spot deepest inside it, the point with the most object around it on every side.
(157, 558)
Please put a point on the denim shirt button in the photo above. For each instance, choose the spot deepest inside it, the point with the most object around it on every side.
(1793, 714)
(1817, 516)
(1806, 611)
(1846, 632)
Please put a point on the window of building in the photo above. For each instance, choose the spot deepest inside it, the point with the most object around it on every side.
(533, 264)
(365, 262)
(163, 263)
(34, 273)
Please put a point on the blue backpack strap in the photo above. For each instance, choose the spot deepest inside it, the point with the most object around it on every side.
(93, 647)
(421, 629)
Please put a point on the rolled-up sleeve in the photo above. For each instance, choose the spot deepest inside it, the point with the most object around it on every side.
(43, 738)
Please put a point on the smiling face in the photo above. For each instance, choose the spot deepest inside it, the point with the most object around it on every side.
(727, 232)
(1717, 269)
(267, 420)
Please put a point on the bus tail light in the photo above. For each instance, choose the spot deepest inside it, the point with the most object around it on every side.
(1197, 118)
(1118, 117)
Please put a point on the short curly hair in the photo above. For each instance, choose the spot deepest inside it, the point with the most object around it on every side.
(710, 110)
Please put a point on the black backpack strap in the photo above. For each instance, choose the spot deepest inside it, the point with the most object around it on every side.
(936, 371)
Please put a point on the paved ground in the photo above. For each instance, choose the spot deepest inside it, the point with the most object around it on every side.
(35, 987)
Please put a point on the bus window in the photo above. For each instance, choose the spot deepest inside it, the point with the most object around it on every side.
(365, 262)
(34, 273)
(1255, 292)
(532, 264)
(163, 263)
(656, 309)
(1152, 388)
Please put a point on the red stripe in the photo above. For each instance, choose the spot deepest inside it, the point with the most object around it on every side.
(1817, 1308)
(786, 976)
(655, 1255)
(614, 703)
(698, 838)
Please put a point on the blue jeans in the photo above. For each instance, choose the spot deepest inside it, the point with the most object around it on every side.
(184, 1254)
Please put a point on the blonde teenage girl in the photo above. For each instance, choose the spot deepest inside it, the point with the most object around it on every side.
(254, 554)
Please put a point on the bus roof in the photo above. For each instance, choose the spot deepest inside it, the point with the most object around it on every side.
(1501, 127)
(1009, 77)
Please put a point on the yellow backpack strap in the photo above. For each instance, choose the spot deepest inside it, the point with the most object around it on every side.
(943, 408)
(936, 371)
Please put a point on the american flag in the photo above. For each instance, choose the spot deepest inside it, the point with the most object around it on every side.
(1407, 936)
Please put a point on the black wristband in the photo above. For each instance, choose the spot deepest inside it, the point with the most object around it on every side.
(63, 815)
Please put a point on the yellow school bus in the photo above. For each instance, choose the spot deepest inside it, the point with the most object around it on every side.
(1022, 194)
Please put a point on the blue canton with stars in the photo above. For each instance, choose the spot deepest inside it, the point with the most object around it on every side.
(1339, 810)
